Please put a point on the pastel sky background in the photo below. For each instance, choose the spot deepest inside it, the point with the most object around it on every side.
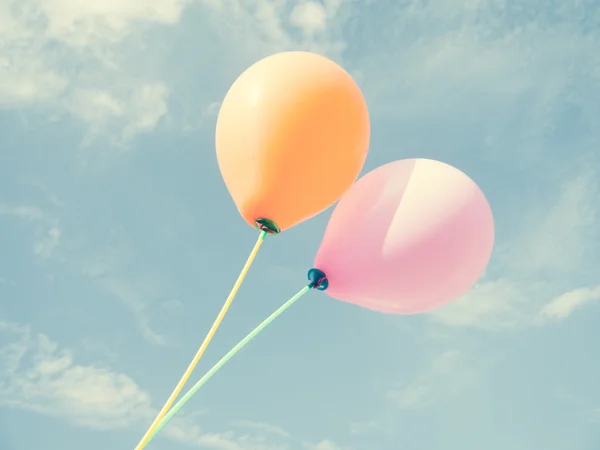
(119, 241)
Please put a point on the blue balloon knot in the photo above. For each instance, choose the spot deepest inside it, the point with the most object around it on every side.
(318, 279)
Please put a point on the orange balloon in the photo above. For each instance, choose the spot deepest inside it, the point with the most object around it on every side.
(292, 136)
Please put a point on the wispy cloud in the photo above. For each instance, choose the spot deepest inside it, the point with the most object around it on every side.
(50, 197)
(560, 235)
(47, 243)
(447, 375)
(27, 212)
(146, 296)
(135, 112)
(474, 62)
(38, 375)
(580, 402)
(563, 306)
(267, 428)
(5, 282)
(47, 232)
(310, 17)
(95, 63)
(469, 63)
(70, 58)
(268, 26)
(443, 377)
(492, 305)
(324, 445)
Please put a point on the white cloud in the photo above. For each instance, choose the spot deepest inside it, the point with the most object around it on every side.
(96, 348)
(256, 28)
(370, 426)
(418, 59)
(138, 297)
(93, 61)
(560, 235)
(27, 212)
(309, 17)
(81, 23)
(39, 376)
(145, 296)
(193, 435)
(324, 445)
(52, 199)
(448, 374)
(47, 233)
(97, 106)
(267, 428)
(491, 305)
(442, 378)
(47, 243)
(24, 84)
(457, 60)
(563, 306)
(141, 108)
(72, 57)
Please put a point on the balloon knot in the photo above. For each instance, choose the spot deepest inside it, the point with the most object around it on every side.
(267, 226)
(318, 279)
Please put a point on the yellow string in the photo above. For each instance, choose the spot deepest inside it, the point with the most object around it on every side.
(202, 348)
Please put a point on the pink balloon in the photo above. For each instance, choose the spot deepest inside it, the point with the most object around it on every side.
(408, 237)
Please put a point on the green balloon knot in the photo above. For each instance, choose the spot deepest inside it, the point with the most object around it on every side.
(267, 226)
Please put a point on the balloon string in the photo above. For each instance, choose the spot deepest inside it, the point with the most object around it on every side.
(226, 358)
(151, 431)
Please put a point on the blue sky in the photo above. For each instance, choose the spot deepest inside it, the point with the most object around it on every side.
(119, 242)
